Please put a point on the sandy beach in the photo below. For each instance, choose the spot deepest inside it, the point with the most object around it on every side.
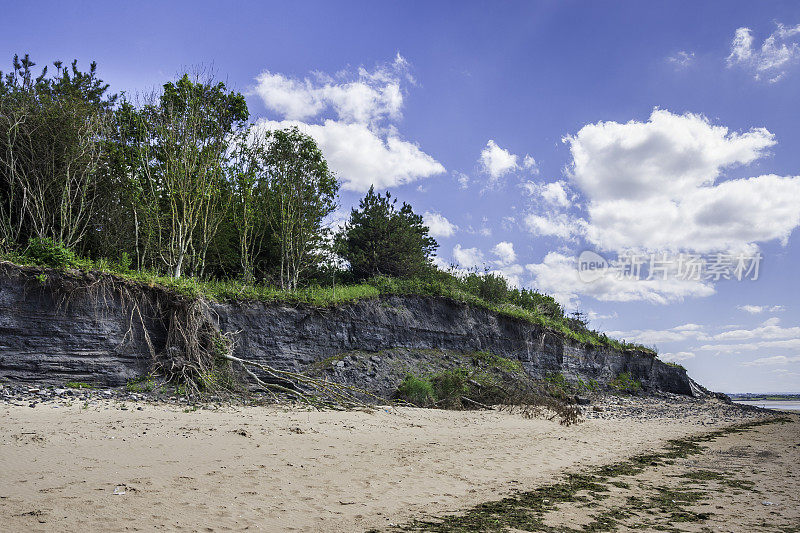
(126, 466)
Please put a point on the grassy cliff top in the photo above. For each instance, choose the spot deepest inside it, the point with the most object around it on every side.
(536, 309)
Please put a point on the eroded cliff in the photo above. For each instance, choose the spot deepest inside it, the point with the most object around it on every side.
(57, 327)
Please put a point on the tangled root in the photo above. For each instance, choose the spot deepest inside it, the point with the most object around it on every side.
(201, 358)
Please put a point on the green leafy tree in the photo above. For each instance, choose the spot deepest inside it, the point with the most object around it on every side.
(251, 200)
(50, 154)
(301, 192)
(380, 239)
(188, 131)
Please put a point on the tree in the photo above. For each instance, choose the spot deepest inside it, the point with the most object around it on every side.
(301, 192)
(185, 156)
(251, 203)
(379, 239)
(50, 151)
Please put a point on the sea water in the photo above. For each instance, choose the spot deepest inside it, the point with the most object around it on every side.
(783, 405)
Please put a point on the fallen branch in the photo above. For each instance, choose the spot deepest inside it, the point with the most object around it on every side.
(479, 404)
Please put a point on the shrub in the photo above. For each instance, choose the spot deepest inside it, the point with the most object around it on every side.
(488, 286)
(124, 262)
(416, 390)
(557, 385)
(46, 252)
(449, 386)
(625, 383)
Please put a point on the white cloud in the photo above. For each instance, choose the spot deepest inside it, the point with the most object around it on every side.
(770, 329)
(675, 357)
(361, 144)
(468, 257)
(756, 309)
(530, 163)
(651, 185)
(554, 193)
(656, 186)
(463, 179)
(552, 224)
(775, 360)
(439, 226)
(512, 273)
(789, 344)
(362, 157)
(557, 275)
(771, 61)
(496, 161)
(594, 315)
(652, 336)
(366, 97)
(505, 252)
(681, 59)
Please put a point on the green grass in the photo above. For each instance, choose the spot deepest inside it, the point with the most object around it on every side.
(78, 385)
(141, 384)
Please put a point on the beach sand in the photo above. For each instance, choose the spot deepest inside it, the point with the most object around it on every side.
(127, 466)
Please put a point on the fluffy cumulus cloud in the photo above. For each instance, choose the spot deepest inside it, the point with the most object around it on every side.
(468, 257)
(365, 97)
(530, 163)
(554, 193)
(505, 253)
(504, 263)
(496, 161)
(771, 60)
(439, 226)
(557, 275)
(559, 225)
(659, 185)
(351, 116)
(654, 185)
(769, 329)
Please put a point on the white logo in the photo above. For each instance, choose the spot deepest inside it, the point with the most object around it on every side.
(591, 266)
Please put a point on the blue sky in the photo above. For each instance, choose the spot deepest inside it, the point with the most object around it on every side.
(527, 132)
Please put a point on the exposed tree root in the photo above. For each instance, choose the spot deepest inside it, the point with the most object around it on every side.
(202, 358)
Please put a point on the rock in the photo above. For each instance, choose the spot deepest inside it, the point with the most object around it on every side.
(90, 339)
(582, 401)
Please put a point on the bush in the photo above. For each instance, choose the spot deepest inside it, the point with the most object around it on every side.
(449, 386)
(46, 252)
(417, 391)
(489, 286)
(625, 383)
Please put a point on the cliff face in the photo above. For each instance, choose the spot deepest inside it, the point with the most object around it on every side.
(59, 330)
(63, 331)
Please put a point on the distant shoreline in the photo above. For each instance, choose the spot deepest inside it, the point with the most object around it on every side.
(778, 405)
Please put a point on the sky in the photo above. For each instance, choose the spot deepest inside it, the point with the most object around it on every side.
(661, 136)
